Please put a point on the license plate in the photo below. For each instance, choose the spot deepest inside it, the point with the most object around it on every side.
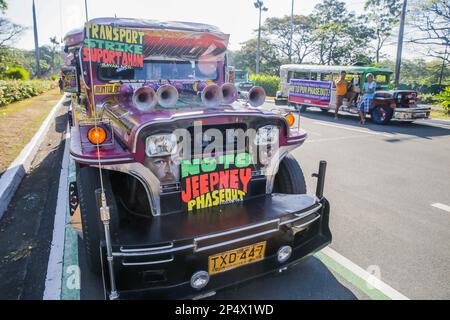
(420, 115)
(235, 258)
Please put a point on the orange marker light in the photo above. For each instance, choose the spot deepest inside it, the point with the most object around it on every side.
(97, 135)
(290, 118)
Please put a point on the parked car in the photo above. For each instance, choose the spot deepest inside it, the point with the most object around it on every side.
(307, 86)
(181, 189)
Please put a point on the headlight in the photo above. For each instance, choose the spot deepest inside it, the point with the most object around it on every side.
(161, 145)
(267, 135)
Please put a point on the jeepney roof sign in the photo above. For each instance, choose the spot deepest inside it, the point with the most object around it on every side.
(155, 39)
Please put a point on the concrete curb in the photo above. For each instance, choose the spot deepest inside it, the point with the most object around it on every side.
(12, 177)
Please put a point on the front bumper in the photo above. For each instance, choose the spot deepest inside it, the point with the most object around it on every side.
(411, 114)
(164, 270)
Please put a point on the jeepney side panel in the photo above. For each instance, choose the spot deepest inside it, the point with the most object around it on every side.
(324, 99)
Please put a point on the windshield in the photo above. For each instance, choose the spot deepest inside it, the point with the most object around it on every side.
(163, 70)
(382, 78)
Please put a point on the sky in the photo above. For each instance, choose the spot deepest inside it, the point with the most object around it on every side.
(239, 18)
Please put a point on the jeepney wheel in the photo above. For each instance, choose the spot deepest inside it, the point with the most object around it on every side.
(381, 114)
(88, 181)
(290, 178)
(324, 110)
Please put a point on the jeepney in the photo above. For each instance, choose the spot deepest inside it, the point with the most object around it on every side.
(241, 81)
(306, 86)
(181, 188)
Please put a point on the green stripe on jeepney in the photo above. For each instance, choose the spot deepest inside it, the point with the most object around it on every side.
(358, 282)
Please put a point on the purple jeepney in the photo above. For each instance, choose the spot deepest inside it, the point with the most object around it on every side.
(182, 187)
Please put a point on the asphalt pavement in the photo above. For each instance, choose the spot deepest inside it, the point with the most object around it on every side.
(388, 189)
(382, 182)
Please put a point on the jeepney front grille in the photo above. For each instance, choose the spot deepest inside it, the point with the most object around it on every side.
(204, 141)
(406, 99)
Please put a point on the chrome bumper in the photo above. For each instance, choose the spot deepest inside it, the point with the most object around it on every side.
(411, 114)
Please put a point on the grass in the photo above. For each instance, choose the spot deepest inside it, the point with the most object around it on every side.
(439, 114)
(19, 121)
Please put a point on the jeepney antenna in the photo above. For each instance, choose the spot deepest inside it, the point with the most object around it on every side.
(104, 209)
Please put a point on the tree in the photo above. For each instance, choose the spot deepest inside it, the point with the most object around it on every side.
(420, 71)
(9, 31)
(10, 58)
(55, 46)
(3, 5)
(278, 32)
(382, 16)
(245, 57)
(431, 21)
(342, 35)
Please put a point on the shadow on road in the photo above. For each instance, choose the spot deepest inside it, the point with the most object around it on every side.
(415, 129)
(310, 279)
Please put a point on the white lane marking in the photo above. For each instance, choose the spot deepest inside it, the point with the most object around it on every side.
(363, 274)
(336, 139)
(314, 133)
(353, 129)
(53, 278)
(441, 206)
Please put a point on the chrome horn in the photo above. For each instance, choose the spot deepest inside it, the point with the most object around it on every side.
(212, 96)
(256, 96)
(229, 93)
(167, 95)
(144, 98)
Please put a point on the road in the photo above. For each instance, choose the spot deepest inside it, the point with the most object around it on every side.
(388, 187)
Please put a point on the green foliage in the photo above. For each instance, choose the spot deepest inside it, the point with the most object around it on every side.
(14, 90)
(427, 98)
(11, 58)
(17, 74)
(342, 36)
(246, 57)
(382, 16)
(269, 83)
(444, 99)
(422, 73)
(278, 31)
(3, 5)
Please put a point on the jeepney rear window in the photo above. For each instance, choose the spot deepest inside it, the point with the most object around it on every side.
(163, 70)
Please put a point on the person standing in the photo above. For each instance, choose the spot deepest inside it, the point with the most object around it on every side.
(61, 85)
(368, 92)
(341, 92)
